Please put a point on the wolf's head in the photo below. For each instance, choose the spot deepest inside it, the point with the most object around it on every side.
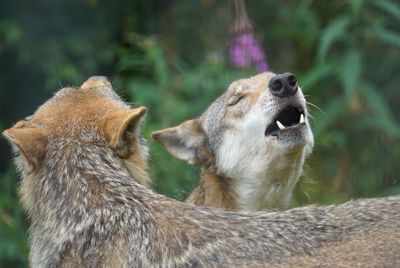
(257, 130)
(76, 122)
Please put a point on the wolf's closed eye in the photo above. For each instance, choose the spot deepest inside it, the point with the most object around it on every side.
(235, 100)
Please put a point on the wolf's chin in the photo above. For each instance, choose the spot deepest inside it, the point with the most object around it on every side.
(293, 138)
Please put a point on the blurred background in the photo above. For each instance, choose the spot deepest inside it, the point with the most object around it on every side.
(176, 57)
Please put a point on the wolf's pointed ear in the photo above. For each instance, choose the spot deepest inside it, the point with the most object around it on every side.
(30, 142)
(183, 141)
(96, 81)
(120, 127)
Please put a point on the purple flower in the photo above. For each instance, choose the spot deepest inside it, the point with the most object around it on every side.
(245, 51)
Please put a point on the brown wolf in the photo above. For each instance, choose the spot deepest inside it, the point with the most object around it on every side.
(251, 144)
(83, 166)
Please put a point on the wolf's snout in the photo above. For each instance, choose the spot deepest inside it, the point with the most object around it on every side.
(283, 85)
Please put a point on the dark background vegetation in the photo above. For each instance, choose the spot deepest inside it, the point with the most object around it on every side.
(172, 56)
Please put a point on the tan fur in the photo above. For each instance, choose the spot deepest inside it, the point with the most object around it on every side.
(214, 191)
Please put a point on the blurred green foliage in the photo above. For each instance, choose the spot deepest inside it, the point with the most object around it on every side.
(171, 56)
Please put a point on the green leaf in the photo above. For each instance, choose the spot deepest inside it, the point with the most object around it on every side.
(349, 72)
(335, 31)
(331, 113)
(356, 6)
(315, 75)
(394, 190)
(389, 37)
(389, 6)
(382, 116)
(156, 56)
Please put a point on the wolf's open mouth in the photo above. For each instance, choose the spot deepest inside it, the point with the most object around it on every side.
(286, 119)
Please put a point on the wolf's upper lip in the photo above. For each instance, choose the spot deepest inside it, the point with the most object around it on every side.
(289, 117)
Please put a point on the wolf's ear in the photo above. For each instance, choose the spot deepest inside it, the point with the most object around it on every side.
(120, 127)
(182, 141)
(96, 81)
(30, 142)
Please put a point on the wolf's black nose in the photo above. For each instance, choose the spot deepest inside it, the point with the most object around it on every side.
(283, 85)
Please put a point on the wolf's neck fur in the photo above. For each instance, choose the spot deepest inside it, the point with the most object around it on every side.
(84, 176)
(81, 192)
(214, 191)
(271, 189)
